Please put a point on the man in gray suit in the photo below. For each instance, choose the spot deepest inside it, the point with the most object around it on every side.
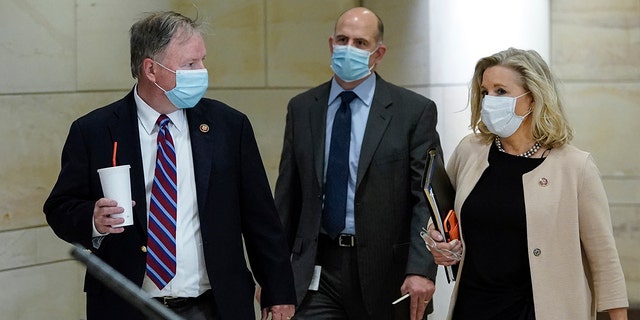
(349, 190)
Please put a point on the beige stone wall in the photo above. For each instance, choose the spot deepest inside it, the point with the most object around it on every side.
(595, 51)
(63, 58)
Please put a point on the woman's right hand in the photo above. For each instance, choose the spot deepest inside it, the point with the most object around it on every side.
(444, 254)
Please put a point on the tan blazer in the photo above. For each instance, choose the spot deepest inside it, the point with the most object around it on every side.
(575, 269)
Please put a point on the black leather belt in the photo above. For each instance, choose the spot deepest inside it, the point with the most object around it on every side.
(180, 302)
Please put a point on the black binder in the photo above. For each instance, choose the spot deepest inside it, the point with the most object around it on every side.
(440, 196)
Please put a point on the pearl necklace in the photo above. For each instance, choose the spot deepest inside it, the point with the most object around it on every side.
(527, 154)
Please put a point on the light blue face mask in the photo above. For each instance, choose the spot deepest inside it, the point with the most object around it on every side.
(350, 63)
(498, 113)
(190, 87)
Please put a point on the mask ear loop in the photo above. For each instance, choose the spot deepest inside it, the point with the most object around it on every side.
(159, 87)
(530, 110)
(160, 64)
(372, 53)
(172, 71)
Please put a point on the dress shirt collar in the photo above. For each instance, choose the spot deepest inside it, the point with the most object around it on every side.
(364, 90)
(148, 116)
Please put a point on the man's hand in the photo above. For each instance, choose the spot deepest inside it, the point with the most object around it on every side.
(102, 219)
(420, 290)
(618, 314)
(279, 312)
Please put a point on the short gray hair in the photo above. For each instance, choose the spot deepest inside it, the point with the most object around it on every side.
(150, 36)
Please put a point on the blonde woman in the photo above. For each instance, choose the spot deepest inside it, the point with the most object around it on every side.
(537, 240)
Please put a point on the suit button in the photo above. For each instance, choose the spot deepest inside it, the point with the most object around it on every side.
(537, 252)
(143, 249)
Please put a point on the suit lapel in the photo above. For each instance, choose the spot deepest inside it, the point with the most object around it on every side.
(202, 133)
(123, 127)
(317, 123)
(379, 118)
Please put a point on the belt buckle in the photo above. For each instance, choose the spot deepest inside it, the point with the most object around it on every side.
(167, 300)
(174, 302)
(346, 240)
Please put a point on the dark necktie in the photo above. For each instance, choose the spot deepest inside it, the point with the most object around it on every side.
(161, 244)
(337, 177)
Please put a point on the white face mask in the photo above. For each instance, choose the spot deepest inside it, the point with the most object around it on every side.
(499, 114)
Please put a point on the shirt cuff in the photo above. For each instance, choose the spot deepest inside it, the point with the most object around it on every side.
(97, 236)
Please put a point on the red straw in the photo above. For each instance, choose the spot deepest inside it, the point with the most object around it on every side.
(115, 149)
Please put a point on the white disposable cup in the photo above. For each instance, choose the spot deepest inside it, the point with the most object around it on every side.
(116, 185)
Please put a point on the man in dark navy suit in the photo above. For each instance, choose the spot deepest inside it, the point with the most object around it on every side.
(223, 195)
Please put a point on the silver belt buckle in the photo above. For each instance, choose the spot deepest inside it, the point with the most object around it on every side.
(166, 300)
(346, 240)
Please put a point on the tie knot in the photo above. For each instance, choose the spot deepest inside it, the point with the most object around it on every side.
(163, 120)
(347, 96)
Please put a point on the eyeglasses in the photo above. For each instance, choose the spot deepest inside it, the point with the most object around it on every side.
(433, 245)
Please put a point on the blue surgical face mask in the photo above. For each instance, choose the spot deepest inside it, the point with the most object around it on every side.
(350, 63)
(190, 87)
(499, 114)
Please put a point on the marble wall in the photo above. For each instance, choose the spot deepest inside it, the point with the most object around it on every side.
(595, 50)
(63, 58)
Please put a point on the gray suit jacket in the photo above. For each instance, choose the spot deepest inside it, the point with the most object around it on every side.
(390, 207)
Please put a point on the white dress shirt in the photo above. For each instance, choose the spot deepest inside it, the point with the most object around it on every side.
(191, 278)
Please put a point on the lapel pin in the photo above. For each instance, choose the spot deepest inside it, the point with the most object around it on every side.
(204, 128)
(543, 182)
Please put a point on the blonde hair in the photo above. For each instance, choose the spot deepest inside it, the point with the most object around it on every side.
(549, 125)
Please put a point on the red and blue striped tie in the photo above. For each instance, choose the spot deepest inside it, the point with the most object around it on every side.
(161, 244)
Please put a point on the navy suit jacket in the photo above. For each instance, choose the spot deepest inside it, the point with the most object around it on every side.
(234, 202)
(390, 207)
